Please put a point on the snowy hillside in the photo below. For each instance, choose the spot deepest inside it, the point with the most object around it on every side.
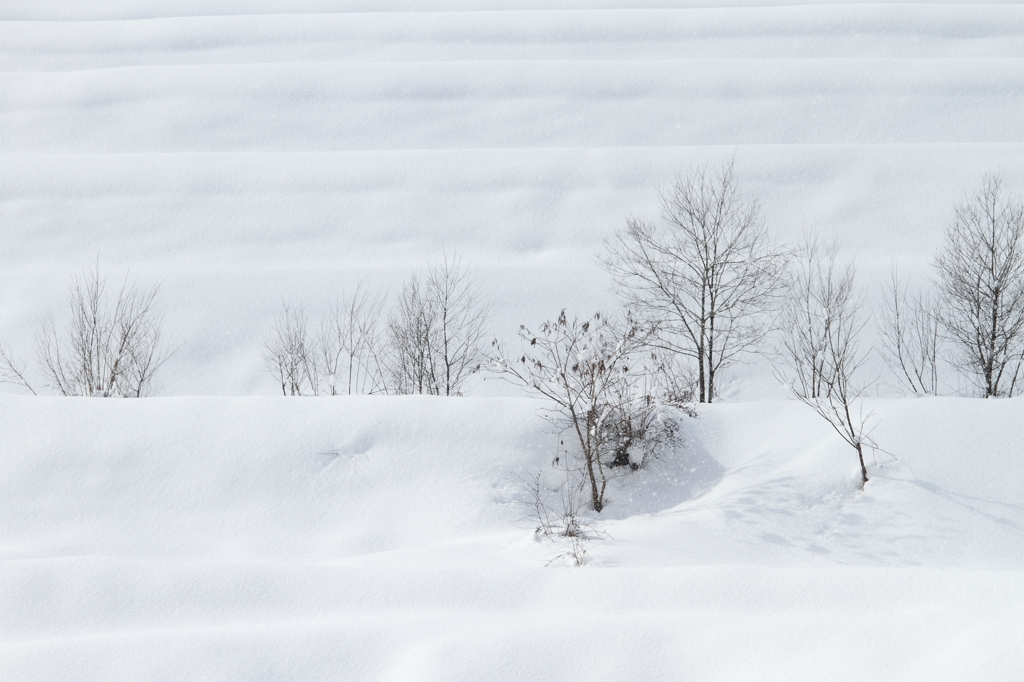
(379, 538)
(251, 153)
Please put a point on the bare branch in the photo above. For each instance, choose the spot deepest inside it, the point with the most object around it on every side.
(11, 372)
(348, 344)
(910, 329)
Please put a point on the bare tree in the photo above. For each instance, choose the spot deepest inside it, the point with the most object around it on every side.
(11, 371)
(980, 271)
(431, 343)
(106, 349)
(706, 275)
(820, 292)
(820, 325)
(578, 366)
(412, 342)
(461, 317)
(348, 345)
(290, 354)
(435, 333)
(911, 334)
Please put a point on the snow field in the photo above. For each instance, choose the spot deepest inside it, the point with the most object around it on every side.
(246, 155)
(559, 633)
(379, 538)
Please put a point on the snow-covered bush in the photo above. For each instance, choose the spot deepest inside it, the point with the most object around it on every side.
(593, 373)
(639, 429)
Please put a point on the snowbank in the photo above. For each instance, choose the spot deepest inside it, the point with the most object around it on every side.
(379, 538)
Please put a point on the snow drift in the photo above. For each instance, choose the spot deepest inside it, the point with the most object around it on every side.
(380, 538)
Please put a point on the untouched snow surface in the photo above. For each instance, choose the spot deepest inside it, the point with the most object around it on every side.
(380, 538)
(249, 153)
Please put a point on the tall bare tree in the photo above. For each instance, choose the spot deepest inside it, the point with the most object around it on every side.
(706, 275)
(820, 349)
(911, 333)
(980, 271)
(107, 348)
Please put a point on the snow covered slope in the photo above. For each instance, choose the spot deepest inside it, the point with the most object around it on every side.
(378, 538)
(247, 153)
